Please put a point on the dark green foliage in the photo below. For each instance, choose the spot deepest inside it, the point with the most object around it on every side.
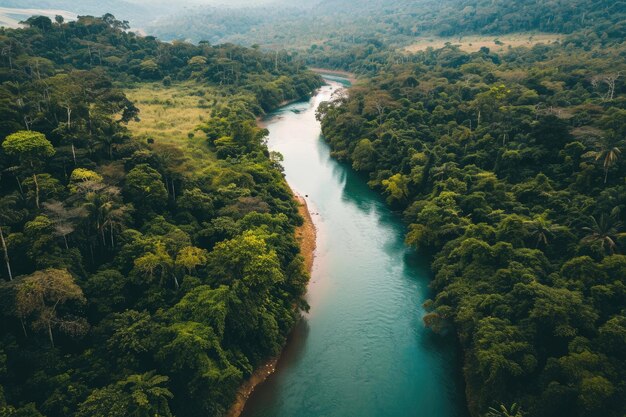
(510, 168)
(133, 285)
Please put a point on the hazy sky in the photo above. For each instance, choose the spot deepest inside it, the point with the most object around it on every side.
(183, 3)
(146, 12)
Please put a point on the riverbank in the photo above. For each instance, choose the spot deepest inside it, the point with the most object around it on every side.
(343, 74)
(306, 235)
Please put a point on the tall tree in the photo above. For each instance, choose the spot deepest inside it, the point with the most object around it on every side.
(604, 232)
(609, 154)
(40, 296)
(32, 148)
(9, 214)
(64, 218)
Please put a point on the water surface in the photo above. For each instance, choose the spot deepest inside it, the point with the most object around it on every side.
(362, 350)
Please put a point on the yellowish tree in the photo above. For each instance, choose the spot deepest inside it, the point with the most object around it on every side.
(39, 297)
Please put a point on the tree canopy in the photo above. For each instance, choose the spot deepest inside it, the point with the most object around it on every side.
(137, 283)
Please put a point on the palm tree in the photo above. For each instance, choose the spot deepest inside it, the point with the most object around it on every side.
(139, 395)
(513, 411)
(606, 231)
(101, 201)
(148, 395)
(114, 218)
(609, 154)
(543, 229)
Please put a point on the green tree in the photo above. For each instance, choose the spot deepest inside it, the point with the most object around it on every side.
(9, 214)
(145, 188)
(139, 395)
(364, 156)
(543, 229)
(603, 232)
(32, 148)
(396, 187)
(609, 154)
(158, 262)
(190, 257)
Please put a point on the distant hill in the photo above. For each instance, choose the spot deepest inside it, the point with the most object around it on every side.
(137, 14)
(304, 24)
(11, 17)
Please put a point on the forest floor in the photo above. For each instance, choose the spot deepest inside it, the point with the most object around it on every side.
(494, 43)
(307, 238)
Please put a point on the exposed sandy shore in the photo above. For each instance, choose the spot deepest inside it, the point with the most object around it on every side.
(248, 386)
(306, 236)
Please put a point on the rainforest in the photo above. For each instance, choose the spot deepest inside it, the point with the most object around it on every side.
(331, 208)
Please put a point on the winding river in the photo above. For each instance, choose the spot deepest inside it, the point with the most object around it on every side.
(362, 350)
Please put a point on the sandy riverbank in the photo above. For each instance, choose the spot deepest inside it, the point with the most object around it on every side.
(306, 236)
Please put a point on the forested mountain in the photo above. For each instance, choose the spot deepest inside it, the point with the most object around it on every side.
(140, 13)
(136, 282)
(125, 10)
(510, 168)
(342, 23)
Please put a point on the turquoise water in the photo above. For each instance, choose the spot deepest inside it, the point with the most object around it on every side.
(362, 350)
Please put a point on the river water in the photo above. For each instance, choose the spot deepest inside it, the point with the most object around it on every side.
(362, 350)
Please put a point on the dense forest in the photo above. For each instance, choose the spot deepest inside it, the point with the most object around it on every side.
(138, 282)
(509, 168)
(135, 283)
(327, 28)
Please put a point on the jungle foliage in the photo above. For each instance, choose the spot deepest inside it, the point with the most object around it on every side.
(135, 283)
(510, 169)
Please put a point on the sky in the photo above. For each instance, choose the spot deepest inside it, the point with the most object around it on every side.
(184, 3)
(140, 12)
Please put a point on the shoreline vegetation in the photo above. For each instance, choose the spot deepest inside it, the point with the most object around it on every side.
(306, 235)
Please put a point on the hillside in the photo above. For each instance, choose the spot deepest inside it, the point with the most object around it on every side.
(390, 22)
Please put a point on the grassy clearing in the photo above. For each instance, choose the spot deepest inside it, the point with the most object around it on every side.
(494, 43)
(170, 115)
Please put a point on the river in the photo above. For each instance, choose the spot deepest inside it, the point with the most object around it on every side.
(362, 350)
